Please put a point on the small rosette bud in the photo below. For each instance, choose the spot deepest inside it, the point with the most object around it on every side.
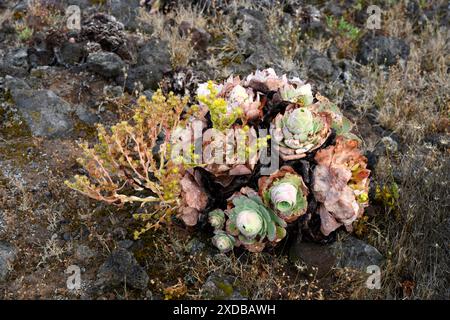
(223, 241)
(217, 219)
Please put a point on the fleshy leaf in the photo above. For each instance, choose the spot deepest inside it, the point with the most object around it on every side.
(300, 131)
(341, 184)
(286, 181)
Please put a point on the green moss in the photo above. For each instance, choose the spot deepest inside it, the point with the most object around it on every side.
(8, 98)
(15, 137)
(16, 150)
(86, 130)
(12, 125)
(225, 287)
(98, 2)
(229, 59)
(36, 116)
(38, 73)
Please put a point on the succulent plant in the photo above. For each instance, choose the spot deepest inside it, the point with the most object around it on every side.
(240, 98)
(229, 154)
(144, 155)
(228, 102)
(295, 91)
(285, 192)
(340, 123)
(265, 80)
(223, 115)
(299, 131)
(341, 184)
(253, 223)
(193, 199)
(208, 88)
(217, 219)
(223, 241)
(250, 223)
(291, 90)
(235, 99)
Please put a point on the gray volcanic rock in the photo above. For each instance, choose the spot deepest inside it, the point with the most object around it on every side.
(126, 12)
(14, 62)
(349, 253)
(356, 254)
(106, 64)
(45, 113)
(8, 254)
(221, 287)
(382, 50)
(119, 268)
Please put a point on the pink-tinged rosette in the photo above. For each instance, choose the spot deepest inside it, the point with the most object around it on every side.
(300, 131)
(341, 184)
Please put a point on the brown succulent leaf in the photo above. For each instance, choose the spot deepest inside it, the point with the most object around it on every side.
(328, 222)
(240, 170)
(244, 191)
(189, 216)
(225, 180)
(247, 191)
(288, 154)
(265, 81)
(345, 153)
(253, 110)
(229, 85)
(339, 178)
(193, 198)
(329, 182)
(193, 194)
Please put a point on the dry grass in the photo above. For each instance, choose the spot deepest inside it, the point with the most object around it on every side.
(41, 15)
(181, 49)
(414, 238)
(257, 276)
(286, 35)
(180, 46)
(416, 242)
(411, 99)
(395, 22)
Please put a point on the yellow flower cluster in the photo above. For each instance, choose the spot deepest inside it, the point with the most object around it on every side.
(130, 156)
(221, 117)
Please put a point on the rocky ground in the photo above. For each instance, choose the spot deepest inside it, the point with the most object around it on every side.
(56, 84)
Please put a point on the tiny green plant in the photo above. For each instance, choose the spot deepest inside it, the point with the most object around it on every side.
(388, 195)
(25, 34)
(343, 27)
